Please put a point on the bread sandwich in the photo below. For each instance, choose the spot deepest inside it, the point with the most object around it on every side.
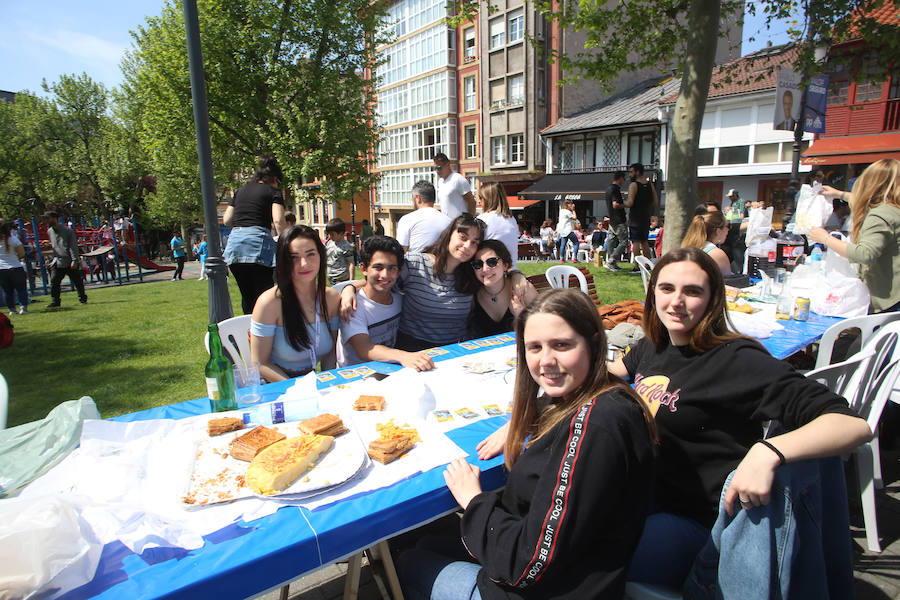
(223, 425)
(325, 424)
(369, 403)
(247, 446)
(277, 467)
(392, 443)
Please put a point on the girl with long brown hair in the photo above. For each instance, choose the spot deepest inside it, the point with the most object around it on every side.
(580, 457)
(499, 223)
(707, 232)
(874, 233)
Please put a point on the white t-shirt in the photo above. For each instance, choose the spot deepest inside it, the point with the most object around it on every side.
(450, 194)
(9, 260)
(505, 229)
(380, 321)
(421, 228)
(566, 223)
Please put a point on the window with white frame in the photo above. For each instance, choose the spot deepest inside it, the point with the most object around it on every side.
(428, 50)
(498, 150)
(515, 89)
(611, 151)
(394, 67)
(393, 149)
(473, 182)
(517, 148)
(393, 106)
(515, 25)
(432, 95)
(471, 141)
(394, 187)
(469, 44)
(868, 90)
(471, 97)
(431, 137)
(498, 93)
(425, 12)
(498, 33)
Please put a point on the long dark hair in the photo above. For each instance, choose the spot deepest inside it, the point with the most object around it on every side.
(441, 246)
(576, 309)
(5, 228)
(715, 327)
(291, 311)
(466, 278)
(268, 170)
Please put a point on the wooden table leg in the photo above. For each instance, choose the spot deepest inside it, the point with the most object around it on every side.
(351, 580)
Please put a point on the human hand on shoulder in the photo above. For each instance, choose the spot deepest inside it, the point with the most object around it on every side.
(348, 302)
(462, 480)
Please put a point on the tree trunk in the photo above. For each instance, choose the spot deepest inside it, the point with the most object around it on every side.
(681, 183)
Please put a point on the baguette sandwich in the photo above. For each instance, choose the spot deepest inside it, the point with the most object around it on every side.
(325, 424)
(277, 467)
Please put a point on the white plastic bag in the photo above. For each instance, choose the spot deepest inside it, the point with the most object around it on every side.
(843, 297)
(46, 548)
(813, 209)
(758, 225)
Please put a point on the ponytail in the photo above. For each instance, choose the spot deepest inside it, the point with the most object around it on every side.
(696, 233)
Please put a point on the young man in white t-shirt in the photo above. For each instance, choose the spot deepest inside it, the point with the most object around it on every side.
(372, 331)
(453, 191)
(420, 228)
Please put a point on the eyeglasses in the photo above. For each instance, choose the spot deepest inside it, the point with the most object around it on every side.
(492, 262)
(438, 167)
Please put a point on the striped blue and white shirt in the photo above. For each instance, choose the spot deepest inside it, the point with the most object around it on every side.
(433, 310)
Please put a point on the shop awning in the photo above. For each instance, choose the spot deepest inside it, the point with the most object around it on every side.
(852, 149)
(569, 186)
(516, 203)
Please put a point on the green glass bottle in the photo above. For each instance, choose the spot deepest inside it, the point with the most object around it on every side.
(219, 375)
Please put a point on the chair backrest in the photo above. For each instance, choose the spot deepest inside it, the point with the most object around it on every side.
(646, 267)
(558, 276)
(235, 335)
(883, 349)
(867, 325)
(879, 392)
(839, 376)
(4, 401)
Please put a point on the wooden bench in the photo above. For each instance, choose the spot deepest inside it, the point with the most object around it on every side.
(527, 251)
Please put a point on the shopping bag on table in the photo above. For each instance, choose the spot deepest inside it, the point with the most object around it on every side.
(840, 295)
(758, 225)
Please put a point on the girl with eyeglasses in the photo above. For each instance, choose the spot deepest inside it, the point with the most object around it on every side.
(495, 306)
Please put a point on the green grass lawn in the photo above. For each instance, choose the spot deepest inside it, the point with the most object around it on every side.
(139, 346)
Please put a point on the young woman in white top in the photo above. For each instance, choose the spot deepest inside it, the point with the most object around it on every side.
(294, 324)
(12, 273)
(706, 232)
(498, 222)
(548, 237)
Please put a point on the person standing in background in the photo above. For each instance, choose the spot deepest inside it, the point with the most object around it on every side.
(12, 272)
(179, 254)
(420, 228)
(641, 200)
(379, 228)
(617, 238)
(453, 191)
(202, 253)
(499, 224)
(65, 258)
(565, 230)
(250, 252)
(339, 252)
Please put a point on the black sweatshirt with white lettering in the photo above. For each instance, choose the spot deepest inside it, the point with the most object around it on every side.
(572, 512)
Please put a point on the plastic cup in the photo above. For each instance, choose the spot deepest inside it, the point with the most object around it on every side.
(246, 384)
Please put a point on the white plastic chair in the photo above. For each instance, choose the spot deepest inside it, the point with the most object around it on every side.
(646, 267)
(558, 276)
(235, 335)
(4, 401)
(868, 325)
(868, 459)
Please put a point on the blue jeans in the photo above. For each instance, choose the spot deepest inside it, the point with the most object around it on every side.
(252, 245)
(667, 549)
(573, 239)
(797, 546)
(437, 570)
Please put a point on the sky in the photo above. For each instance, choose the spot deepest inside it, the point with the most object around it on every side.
(43, 39)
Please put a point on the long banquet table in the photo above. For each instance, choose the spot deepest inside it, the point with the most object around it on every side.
(245, 559)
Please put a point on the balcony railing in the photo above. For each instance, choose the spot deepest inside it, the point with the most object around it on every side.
(648, 169)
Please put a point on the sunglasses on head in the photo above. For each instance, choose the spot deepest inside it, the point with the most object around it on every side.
(492, 262)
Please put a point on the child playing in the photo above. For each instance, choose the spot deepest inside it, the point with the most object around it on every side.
(339, 252)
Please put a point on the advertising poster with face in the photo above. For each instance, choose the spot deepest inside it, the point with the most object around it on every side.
(787, 99)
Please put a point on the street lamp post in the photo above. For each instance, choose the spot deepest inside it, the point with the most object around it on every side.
(216, 269)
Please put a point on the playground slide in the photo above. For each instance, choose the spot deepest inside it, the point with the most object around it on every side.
(143, 260)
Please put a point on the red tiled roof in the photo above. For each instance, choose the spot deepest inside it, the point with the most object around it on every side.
(751, 73)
